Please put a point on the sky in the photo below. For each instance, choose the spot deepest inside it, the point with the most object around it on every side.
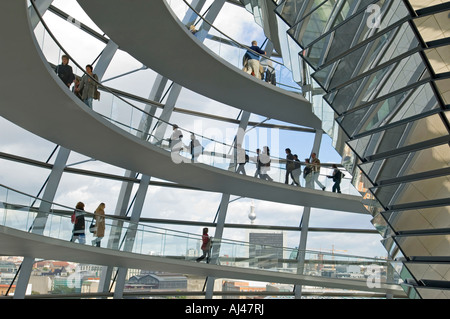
(166, 202)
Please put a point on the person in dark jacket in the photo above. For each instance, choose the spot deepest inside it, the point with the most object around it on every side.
(258, 163)
(253, 66)
(290, 166)
(79, 224)
(337, 177)
(297, 170)
(65, 72)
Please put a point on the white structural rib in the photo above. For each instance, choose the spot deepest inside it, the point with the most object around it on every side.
(151, 33)
(34, 98)
(15, 242)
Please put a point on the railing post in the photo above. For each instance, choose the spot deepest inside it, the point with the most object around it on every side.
(302, 249)
(41, 218)
(210, 17)
(42, 6)
(218, 235)
(131, 232)
(305, 225)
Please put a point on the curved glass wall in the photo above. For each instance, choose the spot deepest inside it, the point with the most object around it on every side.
(383, 67)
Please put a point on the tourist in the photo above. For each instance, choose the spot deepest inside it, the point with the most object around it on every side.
(265, 164)
(307, 174)
(99, 232)
(316, 170)
(88, 86)
(206, 246)
(253, 66)
(240, 159)
(78, 224)
(65, 72)
(290, 166)
(337, 177)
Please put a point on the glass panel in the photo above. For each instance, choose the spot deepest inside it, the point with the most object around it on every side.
(399, 107)
(350, 33)
(419, 161)
(424, 218)
(289, 10)
(439, 59)
(433, 293)
(314, 25)
(432, 245)
(434, 27)
(380, 50)
(444, 89)
(389, 79)
(413, 192)
(421, 130)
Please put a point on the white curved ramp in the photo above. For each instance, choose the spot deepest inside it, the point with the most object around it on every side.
(14, 242)
(48, 109)
(151, 33)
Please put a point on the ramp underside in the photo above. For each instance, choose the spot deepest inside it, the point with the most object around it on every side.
(151, 33)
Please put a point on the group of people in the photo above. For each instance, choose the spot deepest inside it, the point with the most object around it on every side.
(85, 88)
(311, 170)
(262, 160)
(252, 65)
(176, 143)
(97, 225)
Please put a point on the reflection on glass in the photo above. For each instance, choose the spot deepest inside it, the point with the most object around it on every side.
(420, 161)
(421, 130)
(418, 191)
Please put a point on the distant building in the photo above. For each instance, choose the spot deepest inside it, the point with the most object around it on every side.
(266, 249)
(160, 281)
(242, 286)
(4, 289)
(7, 272)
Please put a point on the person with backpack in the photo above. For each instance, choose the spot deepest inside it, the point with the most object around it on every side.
(241, 158)
(297, 170)
(78, 224)
(307, 174)
(206, 246)
(337, 177)
(290, 166)
(265, 164)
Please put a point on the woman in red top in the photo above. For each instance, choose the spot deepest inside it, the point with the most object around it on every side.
(206, 246)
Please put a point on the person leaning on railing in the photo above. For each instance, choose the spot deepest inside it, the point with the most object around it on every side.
(252, 60)
(88, 86)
